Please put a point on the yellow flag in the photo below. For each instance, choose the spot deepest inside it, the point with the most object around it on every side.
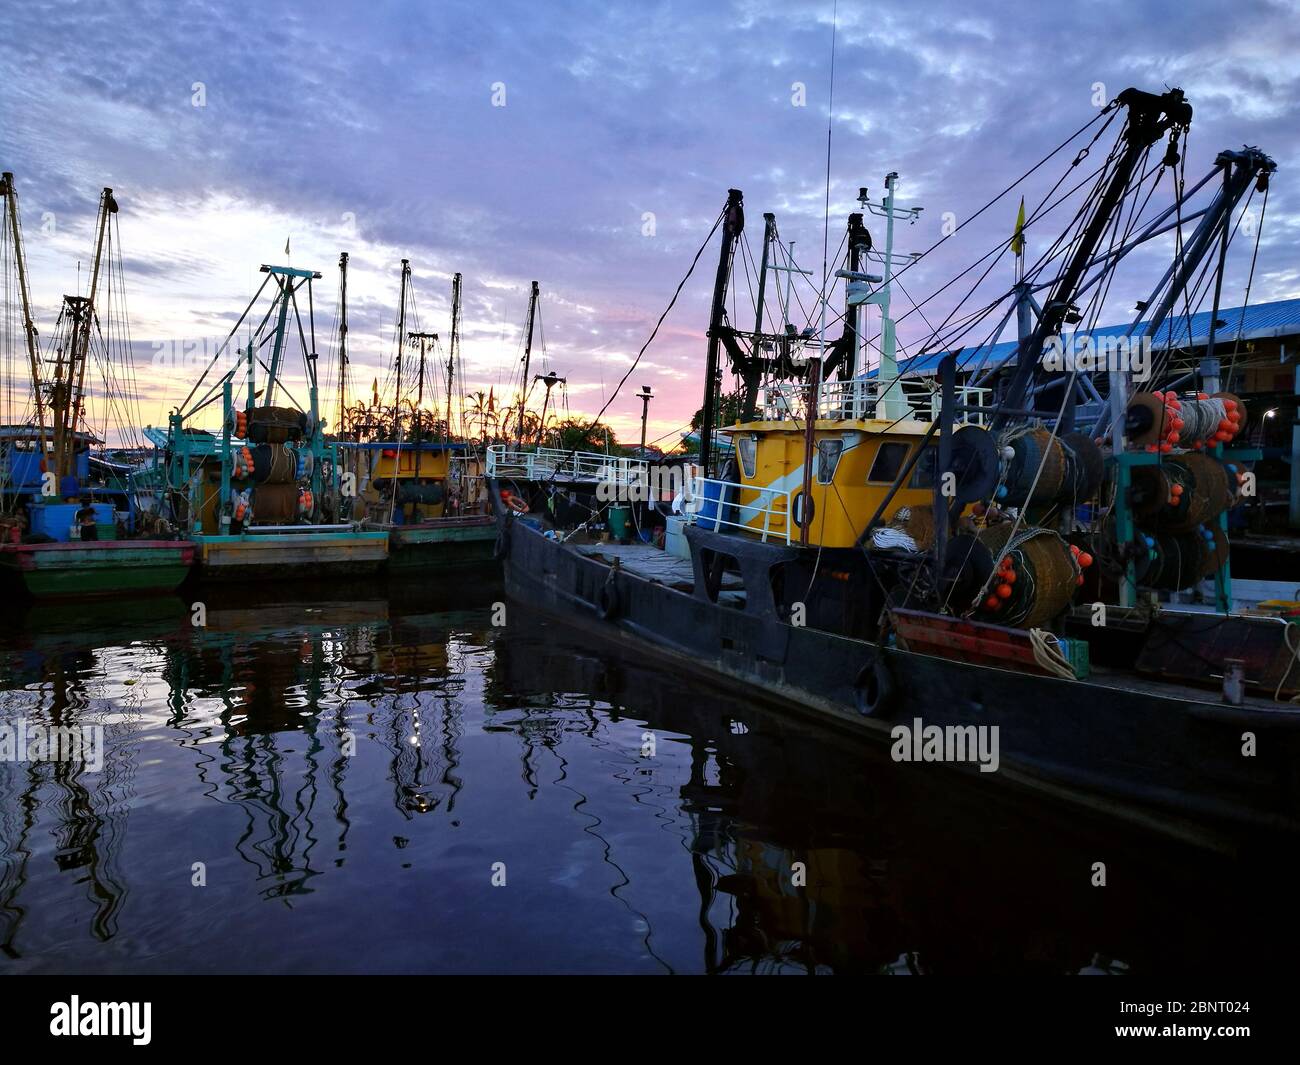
(1018, 241)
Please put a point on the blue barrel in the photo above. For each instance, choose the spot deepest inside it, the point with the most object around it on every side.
(706, 517)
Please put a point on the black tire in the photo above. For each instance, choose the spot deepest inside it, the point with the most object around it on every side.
(608, 602)
(873, 690)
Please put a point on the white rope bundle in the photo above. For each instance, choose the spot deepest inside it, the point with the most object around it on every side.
(1295, 657)
(887, 536)
(1201, 420)
(1047, 653)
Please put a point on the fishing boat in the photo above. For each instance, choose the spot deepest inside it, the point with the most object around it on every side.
(428, 498)
(416, 480)
(70, 524)
(999, 574)
(260, 494)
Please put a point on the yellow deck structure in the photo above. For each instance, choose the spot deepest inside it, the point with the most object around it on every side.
(854, 464)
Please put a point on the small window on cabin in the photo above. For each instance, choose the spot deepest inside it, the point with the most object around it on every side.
(924, 473)
(828, 457)
(747, 449)
(889, 460)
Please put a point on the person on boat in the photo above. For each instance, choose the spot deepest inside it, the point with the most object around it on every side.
(86, 520)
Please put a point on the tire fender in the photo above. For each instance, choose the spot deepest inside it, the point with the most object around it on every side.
(873, 689)
(609, 602)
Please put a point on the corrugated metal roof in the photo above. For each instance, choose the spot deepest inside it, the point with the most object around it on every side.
(1281, 318)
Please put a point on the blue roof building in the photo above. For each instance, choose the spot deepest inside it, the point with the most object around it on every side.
(1262, 322)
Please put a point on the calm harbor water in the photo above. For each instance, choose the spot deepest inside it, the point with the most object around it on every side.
(351, 773)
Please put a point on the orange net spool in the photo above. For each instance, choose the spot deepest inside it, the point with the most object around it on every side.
(1165, 421)
(276, 425)
(276, 504)
(1033, 576)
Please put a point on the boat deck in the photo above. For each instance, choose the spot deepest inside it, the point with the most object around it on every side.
(645, 561)
(657, 565)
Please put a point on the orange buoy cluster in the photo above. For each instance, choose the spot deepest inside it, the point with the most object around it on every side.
(305, 501)
(241, 424)
(1082, 559)
(1171, 421)
(1175, 494)
(1226, 428)
(241, 506)
(243, 465)
(1006, 577)
(1209, 426)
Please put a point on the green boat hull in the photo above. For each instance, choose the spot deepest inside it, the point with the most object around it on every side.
(98, 569)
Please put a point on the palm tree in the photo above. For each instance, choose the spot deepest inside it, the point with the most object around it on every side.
(481, 417)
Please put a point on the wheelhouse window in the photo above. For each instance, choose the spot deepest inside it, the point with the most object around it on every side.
(923, 475)
(889, 459)
(828, 457)
(747, 449)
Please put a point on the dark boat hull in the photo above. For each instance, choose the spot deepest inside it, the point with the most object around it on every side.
(1170, 761)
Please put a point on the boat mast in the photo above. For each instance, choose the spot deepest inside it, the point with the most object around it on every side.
(732, 226)
(68, 391)
(453, 350)
(550, 381)
(401, 343)
(859, 240)
(769, 236)
(528, 354)
(343, 343)
(10, 196)
(424, 339)
(107, 206)
(1149, 118)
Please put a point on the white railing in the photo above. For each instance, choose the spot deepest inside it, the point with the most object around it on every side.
(857, 398)
(768, 516)
(978, 397)
(547, 463)
(839, 400)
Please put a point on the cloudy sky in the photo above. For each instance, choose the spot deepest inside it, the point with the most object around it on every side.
(226, 129)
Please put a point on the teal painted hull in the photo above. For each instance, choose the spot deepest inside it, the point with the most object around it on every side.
(102, 568)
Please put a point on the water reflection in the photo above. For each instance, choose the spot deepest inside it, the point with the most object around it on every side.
(337, 781)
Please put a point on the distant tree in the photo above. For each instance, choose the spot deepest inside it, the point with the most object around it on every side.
(728, 410)
(482, 419)
(574, 434)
